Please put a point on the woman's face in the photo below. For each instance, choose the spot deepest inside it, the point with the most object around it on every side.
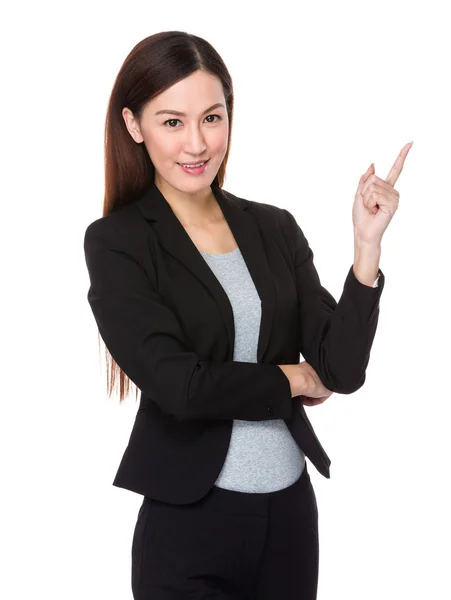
(197, 135)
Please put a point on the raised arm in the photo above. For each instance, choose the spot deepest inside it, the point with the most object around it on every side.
(335, 338)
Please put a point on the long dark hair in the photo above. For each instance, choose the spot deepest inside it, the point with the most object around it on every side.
(154, 64)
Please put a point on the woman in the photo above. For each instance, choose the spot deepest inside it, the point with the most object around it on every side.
(204, 301)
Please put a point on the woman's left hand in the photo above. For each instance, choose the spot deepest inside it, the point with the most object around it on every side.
(376, 201)
(309, 401)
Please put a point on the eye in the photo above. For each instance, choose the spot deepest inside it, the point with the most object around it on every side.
(207, 117)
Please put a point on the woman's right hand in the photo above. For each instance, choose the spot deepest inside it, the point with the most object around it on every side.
(304, 381)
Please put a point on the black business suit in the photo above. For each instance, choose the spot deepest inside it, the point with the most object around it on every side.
(168, 323)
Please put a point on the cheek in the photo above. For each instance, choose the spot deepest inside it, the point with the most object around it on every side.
(218, 142)
(164, 148)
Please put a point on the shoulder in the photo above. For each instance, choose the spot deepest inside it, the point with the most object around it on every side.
(277, 219)
(270, 216)
(122, 224)
(263, 210)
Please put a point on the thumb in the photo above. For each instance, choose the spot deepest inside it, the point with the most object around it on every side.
(364, 177)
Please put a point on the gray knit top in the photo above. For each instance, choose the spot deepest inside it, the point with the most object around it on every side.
(263, 455)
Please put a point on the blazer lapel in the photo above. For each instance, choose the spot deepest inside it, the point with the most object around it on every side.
(173, 237)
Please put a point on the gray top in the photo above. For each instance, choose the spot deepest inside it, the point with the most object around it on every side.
(263, 455)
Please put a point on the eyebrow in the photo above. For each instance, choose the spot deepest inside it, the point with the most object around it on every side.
(181, 114)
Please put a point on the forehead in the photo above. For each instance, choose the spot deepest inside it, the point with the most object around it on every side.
(190, 95)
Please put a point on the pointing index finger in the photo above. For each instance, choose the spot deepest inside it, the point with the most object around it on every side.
(398, 165)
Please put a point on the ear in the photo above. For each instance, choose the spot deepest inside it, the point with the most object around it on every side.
(132, 125)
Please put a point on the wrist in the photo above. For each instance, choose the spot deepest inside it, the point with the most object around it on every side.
(299, 383)
(373, 245)
(366, 261)
(296, 379)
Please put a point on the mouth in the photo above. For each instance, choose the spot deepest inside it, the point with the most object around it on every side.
(194, 165)
(196, 168)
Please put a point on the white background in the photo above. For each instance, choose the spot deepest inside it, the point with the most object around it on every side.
(326, 88)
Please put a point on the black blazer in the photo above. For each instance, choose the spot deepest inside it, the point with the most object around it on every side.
(168, 323)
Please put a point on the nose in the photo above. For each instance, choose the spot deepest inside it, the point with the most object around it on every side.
(194, 142)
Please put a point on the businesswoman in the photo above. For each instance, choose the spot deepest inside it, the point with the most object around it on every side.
(205, 302)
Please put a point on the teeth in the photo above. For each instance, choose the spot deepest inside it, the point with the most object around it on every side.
(193, 166)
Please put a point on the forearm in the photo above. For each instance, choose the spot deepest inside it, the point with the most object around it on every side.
(366, 261)
(336, 338)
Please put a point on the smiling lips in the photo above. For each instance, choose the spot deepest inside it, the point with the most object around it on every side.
(193, 165)
(196, 170)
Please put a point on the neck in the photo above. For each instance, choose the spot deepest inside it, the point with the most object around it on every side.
(192, 209)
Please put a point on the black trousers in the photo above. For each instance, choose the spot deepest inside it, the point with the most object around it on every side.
(229, 545)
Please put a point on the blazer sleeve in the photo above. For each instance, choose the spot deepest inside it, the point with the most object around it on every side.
(335, 338)
(146, 340)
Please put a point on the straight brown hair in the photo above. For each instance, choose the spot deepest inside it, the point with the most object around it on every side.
(153, 65)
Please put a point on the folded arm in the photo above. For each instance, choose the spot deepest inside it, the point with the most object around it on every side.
(146, 340)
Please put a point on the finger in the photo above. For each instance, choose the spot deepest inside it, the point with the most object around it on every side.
(374, 179)
(365, 176)
(380, 189)
(308, 400)
(314, 401)
(398, 165)
(378, 196)
(373, 196)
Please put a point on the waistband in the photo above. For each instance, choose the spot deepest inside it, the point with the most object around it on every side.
(242, 503)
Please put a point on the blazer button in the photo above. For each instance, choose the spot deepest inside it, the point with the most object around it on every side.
(271, 410)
